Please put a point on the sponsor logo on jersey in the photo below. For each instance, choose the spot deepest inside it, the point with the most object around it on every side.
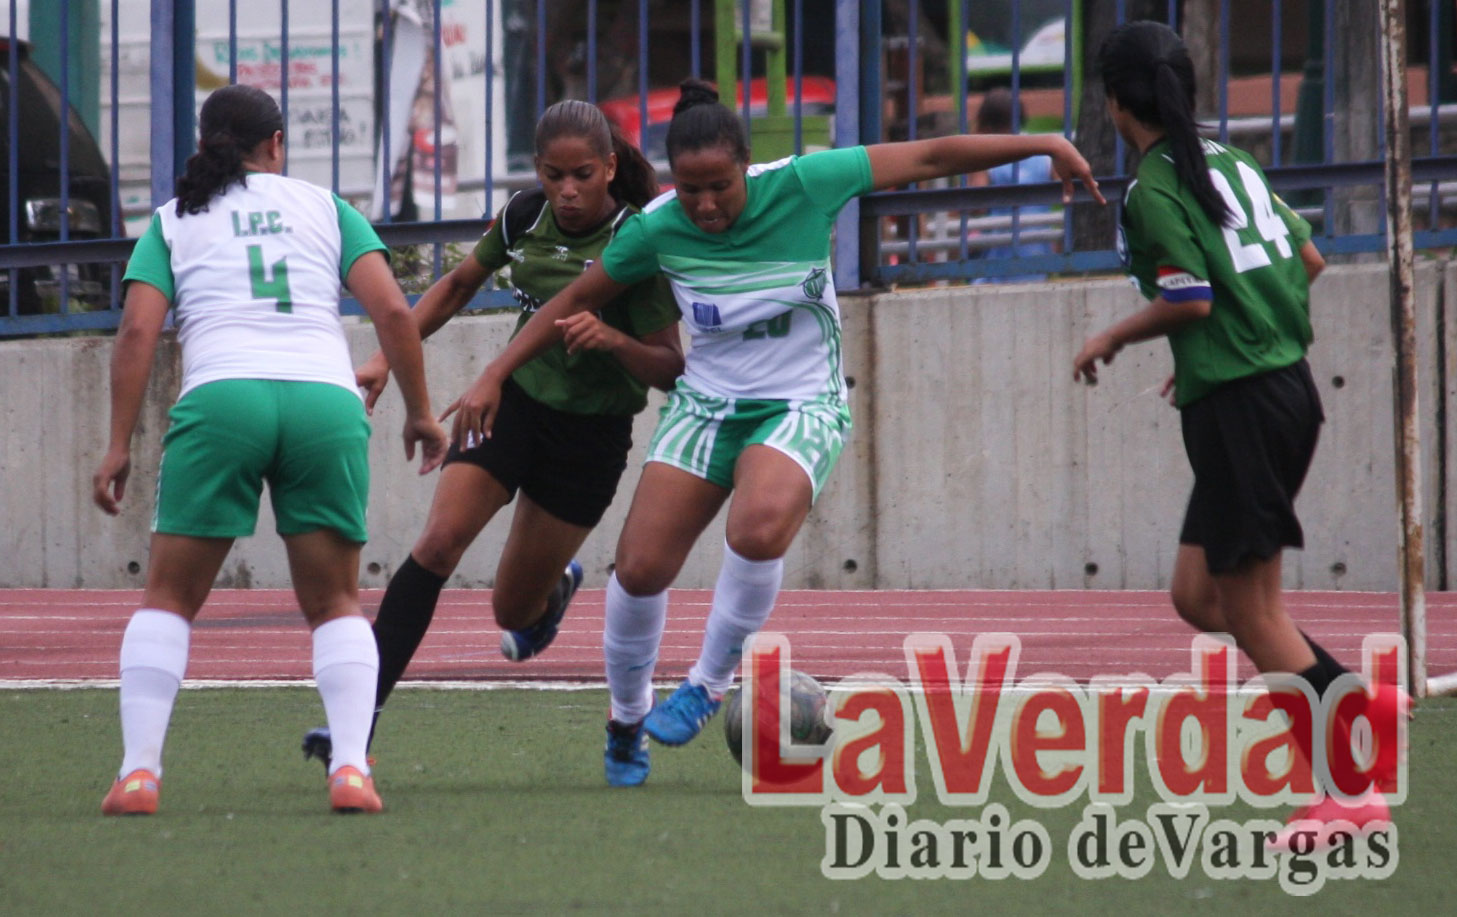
(814, 285)
(528, 302)
(561, 253)
(705, 314)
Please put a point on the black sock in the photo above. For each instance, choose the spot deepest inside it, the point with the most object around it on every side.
(403, 618)
(1325, 670)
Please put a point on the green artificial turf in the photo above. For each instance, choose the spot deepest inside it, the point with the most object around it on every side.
(495, 803)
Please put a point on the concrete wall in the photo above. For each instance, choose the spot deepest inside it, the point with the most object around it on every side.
(976, 461)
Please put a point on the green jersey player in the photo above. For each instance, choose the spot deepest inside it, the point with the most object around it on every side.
(1227, 267)
(760, 414)
(566, 416)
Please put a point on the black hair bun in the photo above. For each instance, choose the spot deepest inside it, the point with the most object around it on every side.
(695, 92)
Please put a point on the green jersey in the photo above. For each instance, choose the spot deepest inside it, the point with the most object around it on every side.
(758, 298)
(1250, 268)
(543, 260)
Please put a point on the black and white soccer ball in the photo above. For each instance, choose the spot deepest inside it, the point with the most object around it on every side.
(808, 709)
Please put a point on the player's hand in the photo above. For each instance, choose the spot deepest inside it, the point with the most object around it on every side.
(108, 484)
(1167, 392)
(426, 431)
(1069, 166)
(475, 411)
(372, 376)
(1100, 346)
(585, 331)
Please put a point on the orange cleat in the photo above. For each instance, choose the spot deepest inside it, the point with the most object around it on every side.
(134, 794)
(1319, 820)
(350, 791)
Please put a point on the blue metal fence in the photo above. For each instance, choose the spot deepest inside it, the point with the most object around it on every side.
(431, 101)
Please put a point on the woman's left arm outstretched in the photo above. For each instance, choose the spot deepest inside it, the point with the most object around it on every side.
(895, 164)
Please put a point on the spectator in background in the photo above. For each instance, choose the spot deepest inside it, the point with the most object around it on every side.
(997, 116)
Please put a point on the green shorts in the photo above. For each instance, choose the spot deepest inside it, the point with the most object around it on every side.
(308, 440)
(704, 435)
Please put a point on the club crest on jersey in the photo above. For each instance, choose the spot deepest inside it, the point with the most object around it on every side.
(524, 299)
(705, 314)
(814, 285)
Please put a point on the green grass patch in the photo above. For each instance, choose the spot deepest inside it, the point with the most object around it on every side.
(495, 803)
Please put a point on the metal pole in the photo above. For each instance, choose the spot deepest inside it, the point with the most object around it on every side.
(160, 81)
(282, 75)
(592, 51)
(724, 66)
(1308, 109)
(1403, 322)
(847, 133)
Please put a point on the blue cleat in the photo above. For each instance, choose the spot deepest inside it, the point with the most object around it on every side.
(318, 743)
(521, 645)
(681, 717)
(625, 759)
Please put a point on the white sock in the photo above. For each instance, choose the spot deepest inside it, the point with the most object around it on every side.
(346, 668)
(742, 600)
(153, 661)
(630, 637)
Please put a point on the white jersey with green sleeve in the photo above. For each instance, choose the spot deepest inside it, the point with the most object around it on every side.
(256, 280)
(758, 298)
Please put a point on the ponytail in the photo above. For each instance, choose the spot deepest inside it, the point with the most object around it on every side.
(1175, 113)
(233, 121)
(1146, 68)
(700, 121)
(636, 181)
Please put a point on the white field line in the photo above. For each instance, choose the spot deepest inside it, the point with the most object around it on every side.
(1025, 687)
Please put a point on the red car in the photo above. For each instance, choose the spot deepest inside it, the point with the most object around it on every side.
(817, 98)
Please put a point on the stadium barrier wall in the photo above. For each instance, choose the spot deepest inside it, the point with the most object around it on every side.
(976, 461)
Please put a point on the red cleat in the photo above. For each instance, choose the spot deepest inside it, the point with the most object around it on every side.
(134, 794)
(350, 791)
(1320, 820)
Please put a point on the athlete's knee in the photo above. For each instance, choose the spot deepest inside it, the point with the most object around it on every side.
(1197, 607)
(640, 573)
(321, 612)
(440, 551)
(181, 597)
(764, 535)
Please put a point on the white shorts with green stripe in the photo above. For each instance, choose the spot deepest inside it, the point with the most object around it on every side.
(704, 435)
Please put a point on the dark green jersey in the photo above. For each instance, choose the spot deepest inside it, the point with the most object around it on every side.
(543, 260)
(1251, 268)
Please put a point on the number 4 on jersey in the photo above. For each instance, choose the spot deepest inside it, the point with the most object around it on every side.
(1247, 257)
(263, 288)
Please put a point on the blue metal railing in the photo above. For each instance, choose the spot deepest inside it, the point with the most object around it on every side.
(335, 82)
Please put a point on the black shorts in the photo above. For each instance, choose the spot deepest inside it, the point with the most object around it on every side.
(569, 464)
(1250, 443)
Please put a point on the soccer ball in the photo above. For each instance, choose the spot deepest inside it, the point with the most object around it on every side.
(807, 726)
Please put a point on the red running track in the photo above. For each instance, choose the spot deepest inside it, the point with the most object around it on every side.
(258, 634)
